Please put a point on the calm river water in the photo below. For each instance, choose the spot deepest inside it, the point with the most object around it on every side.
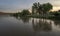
(25, 26)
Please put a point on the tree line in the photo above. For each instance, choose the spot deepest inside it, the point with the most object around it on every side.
(39, 10)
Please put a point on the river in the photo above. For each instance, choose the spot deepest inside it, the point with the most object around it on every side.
(26, 26)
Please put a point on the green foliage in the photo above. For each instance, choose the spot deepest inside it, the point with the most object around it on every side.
(15, 14)
(57, 14)
(25, 12)
(34, 8)
(37, 8)
(47, 7)
(35, 5)
(42, 7)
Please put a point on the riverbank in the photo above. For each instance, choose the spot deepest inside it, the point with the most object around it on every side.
(40, 16)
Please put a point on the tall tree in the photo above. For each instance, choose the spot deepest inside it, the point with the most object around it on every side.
(35, 7)
(32, 9)
(46, 7)
(41, 8)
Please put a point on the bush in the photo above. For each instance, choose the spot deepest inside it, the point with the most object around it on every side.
(25, 12)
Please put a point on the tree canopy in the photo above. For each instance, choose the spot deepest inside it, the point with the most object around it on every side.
(25, 12)
(47, 7)
(41, 7)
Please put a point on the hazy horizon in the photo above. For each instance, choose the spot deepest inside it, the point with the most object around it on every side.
(18, 5)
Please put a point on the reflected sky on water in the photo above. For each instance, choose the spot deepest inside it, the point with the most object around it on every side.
(27, 26)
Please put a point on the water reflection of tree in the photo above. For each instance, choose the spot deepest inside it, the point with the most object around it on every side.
(25, 19)
(41, 26)
(17, 17)
(57, 23)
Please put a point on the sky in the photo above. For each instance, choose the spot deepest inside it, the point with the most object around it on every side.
(18, 5)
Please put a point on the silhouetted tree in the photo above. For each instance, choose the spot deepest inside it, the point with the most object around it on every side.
(56, 14)
(41, 8)
(46, 7)
(58, 10)
(34, 8)
(25, 12)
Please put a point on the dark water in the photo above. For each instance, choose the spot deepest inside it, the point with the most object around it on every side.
(25, 26)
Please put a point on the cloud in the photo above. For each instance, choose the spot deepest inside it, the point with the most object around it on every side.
(15, 5)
